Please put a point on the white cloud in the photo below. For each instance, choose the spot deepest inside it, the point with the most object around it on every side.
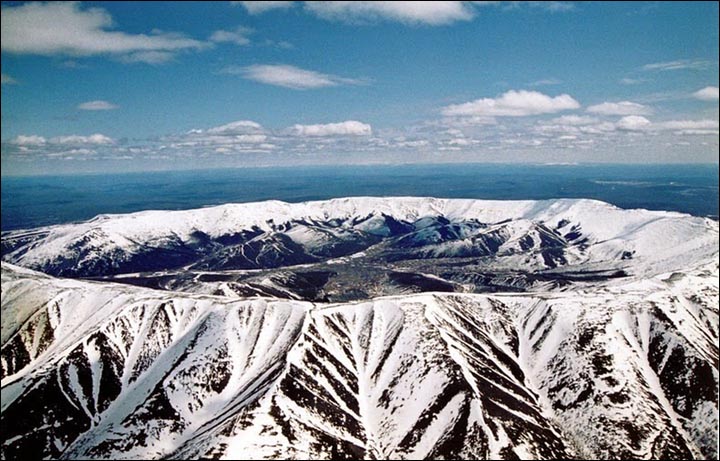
(80, 151)
(459, 142)
(261, 7)
(93, 139)
(289, 76)
(546, 82)
(598, 128)
(31, 140)
(689, 124)
(282, 44)
(347, 128)
(235, 128)
(468, 121)
(63, 28)
(148, 57)
(72, 140)
(513, 104)
(233, 137)
(251, 138)
(413, 144)
(700, 132)
(238, 36)
(574, 120)
(97, 105)
(680, 64)
(633, 123)
(8, 80)
(546, 5)
(619, 108)
(632, 81)
(222, 140)
(429, 13)
(709, 93)
(574, 125)
(432, 13)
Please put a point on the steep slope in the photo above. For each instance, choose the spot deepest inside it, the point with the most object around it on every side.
(102, 370)
(82, 357)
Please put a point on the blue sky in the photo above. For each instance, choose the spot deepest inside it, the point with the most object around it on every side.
(123, 86)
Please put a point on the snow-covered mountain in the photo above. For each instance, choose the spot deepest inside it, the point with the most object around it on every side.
(605, 344)
(357, 248)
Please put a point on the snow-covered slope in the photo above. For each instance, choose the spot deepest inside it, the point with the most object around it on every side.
(529, 329)
(533, 235)
(102, 370)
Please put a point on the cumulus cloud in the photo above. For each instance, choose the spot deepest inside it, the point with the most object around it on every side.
(239, 137)
(513, 104)
(261, 7)
(251, 138)
(239, 127)
(633, 123)
(96, 139)
(237, 36)
(29, 140)
(289, 76)
(709, 93)
(97, 105)
(63, 28)
(574, 120)
(429, 13)
(680, 64)
(77, 140)
(619, 108)
(347, 128)
(8, 80)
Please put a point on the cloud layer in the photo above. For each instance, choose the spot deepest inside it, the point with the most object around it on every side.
(71, 140)
(347, 128)
(513, 104)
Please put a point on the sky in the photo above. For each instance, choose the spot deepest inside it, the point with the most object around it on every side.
(136, 86)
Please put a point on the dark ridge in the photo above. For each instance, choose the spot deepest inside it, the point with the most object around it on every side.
(420, 282)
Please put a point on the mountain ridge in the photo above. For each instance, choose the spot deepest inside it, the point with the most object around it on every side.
(510, 310)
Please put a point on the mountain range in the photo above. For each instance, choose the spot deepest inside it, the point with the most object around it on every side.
(377, 328)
